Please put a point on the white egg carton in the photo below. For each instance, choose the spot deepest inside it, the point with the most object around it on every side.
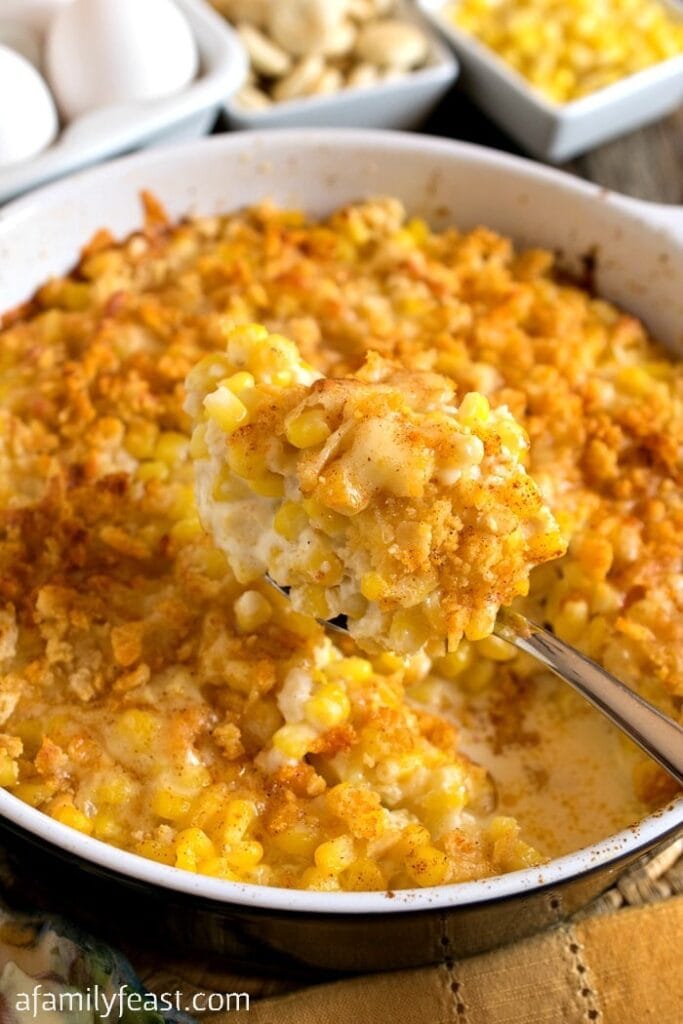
(401, 103)
(113, 130)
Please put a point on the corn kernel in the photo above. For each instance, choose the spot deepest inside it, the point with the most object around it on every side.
(419, 229)
(156, 849)
(33, 793)
(170, 805)
(409, 630)
(153, 470)
(308, 429)
(456, 662)
(244, 855)
(109, 828)
(137, 727)
(74, 295)
(294, 740)
(447, 795)
(427, 866)
(251, 611)
(239, 382)
(388, 663)
(414, 836)
(206, 374)
(9, 770)
(253, 399)
(290, 520)
(373, 586)
(116, 788)
(319, 881)
(270, 485)
(192, 775)
(298, 841)
(244, 460)
(512, 437)
(244, 341)
(363, 875)
(186, 530)
(214, 564)
(198, 446)
(68, 814)
(335, 855)
(572, 619)
(328, 707)
(192, 846)
(323, 565)
(171, 447)
(478, 676)
(312, 600)
(480, 624)
(208, 807)
(225, 409)
(218, 867)
(236, 819)
(510, 853)
(635, 380)
(474, 409)
(330, 522)
(354, 669)
(496, 649)
(140, 440)
(183, 504)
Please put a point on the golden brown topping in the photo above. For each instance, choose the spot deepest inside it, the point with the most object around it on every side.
(94, 448)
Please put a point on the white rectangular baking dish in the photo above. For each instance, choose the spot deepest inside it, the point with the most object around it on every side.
(120, 129)
(554, 131)
(396, 103)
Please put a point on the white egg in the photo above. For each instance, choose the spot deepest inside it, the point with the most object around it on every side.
(36, 13)
(28, 118)
(100, 52)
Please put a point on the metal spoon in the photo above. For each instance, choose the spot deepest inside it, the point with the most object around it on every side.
(658, 735)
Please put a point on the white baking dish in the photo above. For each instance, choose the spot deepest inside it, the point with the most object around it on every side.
(119, 129)
(638, 251)
(554, 131)
(402, 102)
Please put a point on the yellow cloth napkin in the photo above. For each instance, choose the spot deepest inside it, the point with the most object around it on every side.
(618, 968)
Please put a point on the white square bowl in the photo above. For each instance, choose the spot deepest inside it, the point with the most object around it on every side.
(559, 131)
(396, 103)
(112, 130)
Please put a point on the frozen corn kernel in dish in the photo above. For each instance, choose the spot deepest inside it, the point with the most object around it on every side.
(375, 496)
(570, 48)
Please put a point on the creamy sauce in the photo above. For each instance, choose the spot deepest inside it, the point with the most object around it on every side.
(559, 767)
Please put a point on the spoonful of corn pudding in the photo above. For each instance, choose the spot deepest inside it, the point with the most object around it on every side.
(384, 506)
(375, 497)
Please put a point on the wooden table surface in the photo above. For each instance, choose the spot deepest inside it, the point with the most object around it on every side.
(647, 164)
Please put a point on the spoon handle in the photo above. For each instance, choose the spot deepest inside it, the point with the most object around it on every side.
(658, 735)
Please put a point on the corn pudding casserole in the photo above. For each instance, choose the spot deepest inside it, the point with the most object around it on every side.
(371, 496)
(149, 699)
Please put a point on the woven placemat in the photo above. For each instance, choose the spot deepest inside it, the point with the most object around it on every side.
(659, 878)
